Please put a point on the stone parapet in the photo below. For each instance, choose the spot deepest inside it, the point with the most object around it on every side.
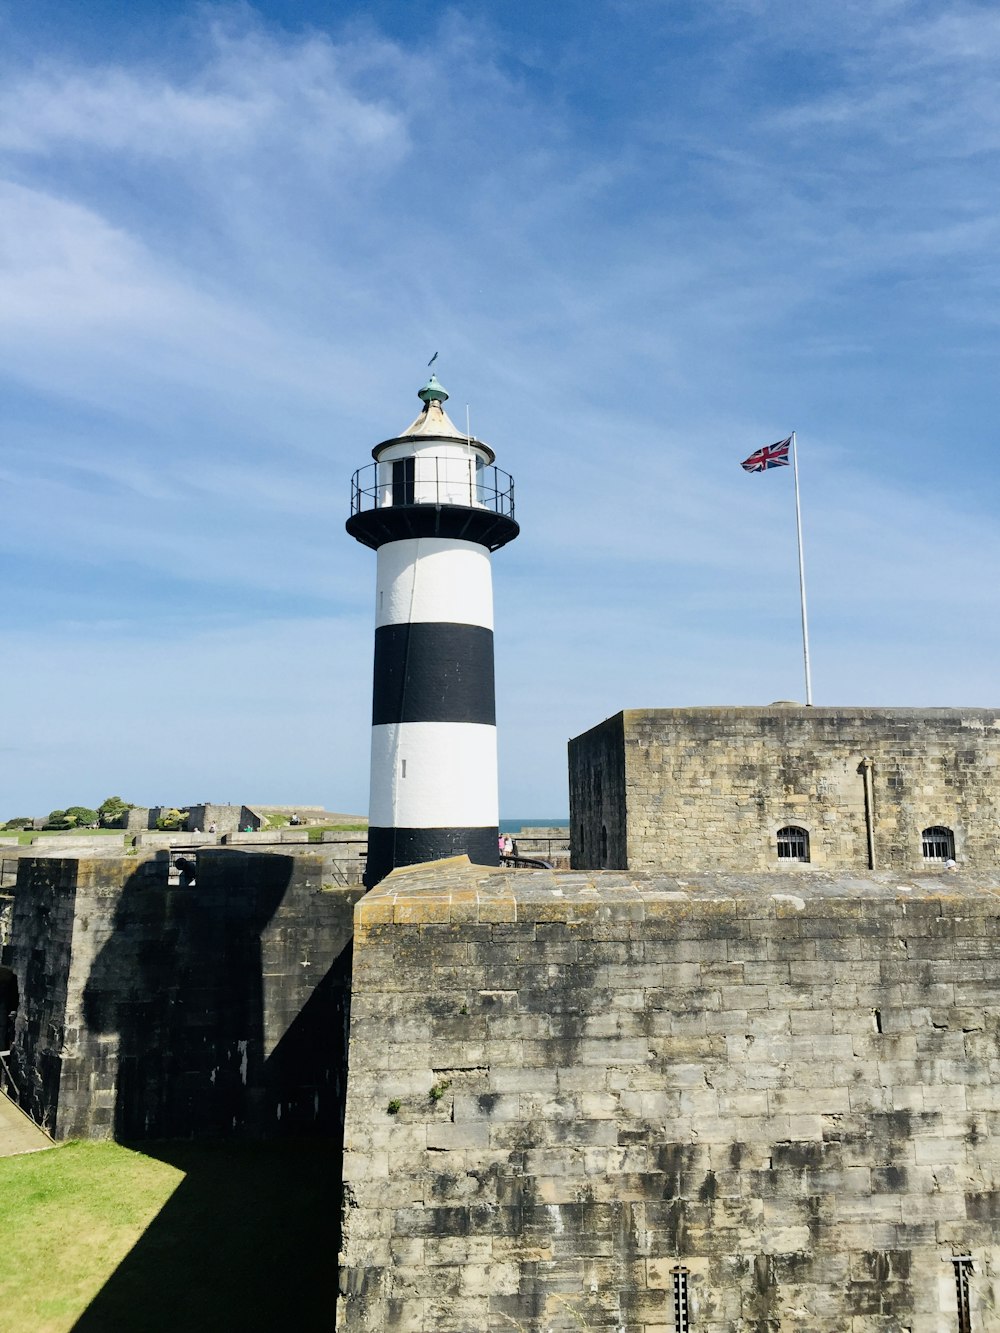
(72, 844)
(163, 838)
(267, 837)
(576, 1098)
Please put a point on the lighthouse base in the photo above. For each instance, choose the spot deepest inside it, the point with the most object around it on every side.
(392, 847)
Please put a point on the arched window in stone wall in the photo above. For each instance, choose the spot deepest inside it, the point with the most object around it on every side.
(938, 843)
(793, 843)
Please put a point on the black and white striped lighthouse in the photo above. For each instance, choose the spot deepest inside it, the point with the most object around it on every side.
(433, 507)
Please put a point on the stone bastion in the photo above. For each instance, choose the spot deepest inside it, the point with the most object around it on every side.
(646, 1101)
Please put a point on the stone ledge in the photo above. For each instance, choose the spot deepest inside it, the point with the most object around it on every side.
(454, 890)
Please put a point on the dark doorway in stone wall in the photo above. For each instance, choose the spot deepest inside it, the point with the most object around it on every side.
(247, 1241)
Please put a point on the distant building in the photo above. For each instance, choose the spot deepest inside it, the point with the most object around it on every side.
(226, 818)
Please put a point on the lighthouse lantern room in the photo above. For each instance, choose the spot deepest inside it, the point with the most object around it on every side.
(433, 506)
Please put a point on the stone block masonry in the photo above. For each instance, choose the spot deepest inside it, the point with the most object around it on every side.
(152, 1010)
(600, 1100)
(710, 788)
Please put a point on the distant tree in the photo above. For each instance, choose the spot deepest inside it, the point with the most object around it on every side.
(113, 810)
(172, 821)
(20, 821)
(81, 816)
(57, 820)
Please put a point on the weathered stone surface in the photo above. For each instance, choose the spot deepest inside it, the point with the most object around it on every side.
(708, 788)
(153, 1010)
(564, 1086)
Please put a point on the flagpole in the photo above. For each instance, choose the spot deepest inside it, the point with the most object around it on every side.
(802, 576)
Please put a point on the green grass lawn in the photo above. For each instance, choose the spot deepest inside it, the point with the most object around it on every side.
(316, 831)
(69, 1215)
(180, 1236)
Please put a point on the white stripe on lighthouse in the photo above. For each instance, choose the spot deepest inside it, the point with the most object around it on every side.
(434, 579)
(434, 775)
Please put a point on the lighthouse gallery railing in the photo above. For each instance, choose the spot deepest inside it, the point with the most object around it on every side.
(432, 481)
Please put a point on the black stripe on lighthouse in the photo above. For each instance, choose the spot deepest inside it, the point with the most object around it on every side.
(433, 672)
(392, 847)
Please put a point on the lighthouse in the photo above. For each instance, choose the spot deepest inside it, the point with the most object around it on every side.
(434, 507)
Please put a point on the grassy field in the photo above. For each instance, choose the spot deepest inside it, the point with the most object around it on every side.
(316, 831)
(98, 1238)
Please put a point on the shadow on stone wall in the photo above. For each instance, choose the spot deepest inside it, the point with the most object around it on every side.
(224, 1032)
(180, 982)
(248, 1241)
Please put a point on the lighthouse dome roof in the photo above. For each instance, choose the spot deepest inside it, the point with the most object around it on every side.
(433, 420)
(433, 423)
(433, 389)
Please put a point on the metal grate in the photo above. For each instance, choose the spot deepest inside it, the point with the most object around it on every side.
(938, 844)
(793, 844)
(682, 1308)
(963, 1271)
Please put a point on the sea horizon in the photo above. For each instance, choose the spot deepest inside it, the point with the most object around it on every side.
(516, 825)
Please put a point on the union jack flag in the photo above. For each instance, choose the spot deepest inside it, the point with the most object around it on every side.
(772, 455)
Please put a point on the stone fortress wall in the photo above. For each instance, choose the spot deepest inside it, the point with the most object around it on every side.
(150, 1006)
(709, 788)
(759, 1096)
(623, 1101)
(231, 818)
(153, 1009)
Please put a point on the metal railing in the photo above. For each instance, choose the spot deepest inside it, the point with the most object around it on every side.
(433, 481)
(544, 846)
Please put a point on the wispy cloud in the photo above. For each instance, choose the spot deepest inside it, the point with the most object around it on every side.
(248, 94)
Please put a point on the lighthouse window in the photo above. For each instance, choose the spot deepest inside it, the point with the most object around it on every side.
(793, 844)
(403, 481)
(938, 844)
(402, 768)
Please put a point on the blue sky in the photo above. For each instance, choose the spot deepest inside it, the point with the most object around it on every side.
(645, 238)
